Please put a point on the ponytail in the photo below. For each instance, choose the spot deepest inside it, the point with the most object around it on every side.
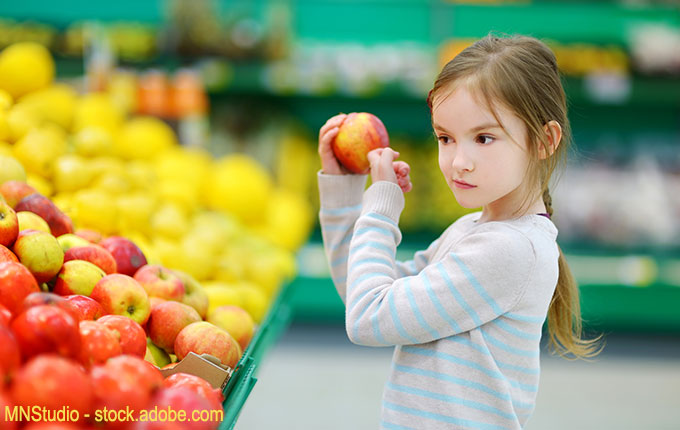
(564, 313)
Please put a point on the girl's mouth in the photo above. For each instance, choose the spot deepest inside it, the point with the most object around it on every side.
(463, 185)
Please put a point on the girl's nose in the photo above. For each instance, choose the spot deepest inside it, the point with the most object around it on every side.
(462, 161)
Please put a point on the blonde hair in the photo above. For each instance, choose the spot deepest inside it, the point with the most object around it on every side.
(521, 73)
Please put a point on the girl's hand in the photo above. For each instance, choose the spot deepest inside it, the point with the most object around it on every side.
(384, 168)
(329, 164)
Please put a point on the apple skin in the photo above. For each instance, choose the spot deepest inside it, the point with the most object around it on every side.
(77, 277)
(98, 343)
(206, 338)
(91, 236)
(236, 321)
(30, 221)
(6, 404)
(86, 307)
(129, 258)
(155, 355)
(359, 134)
(131, 335)
(159, 281)
(7, 255)
(70, 240)
(167, 319)
(58, 221)
(46, 329)
(198, 385)
(40, 253)
(182, 399)
(122, 295)
(53, 382)
(95, 254)
(10, 355)
(194, 294)
(44, 298)
(16, 282)
(9, 224)
(5, 316)
(13, 191)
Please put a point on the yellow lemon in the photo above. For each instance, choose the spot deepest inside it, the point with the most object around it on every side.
(144, 138)
(289, 220)
(96, 210)
(38, 149)
(221, 295)
(6, 100)
(115, 182)
(4, 126)
(141, 175)
(21, 120)
(55, 103)
(6, 149)
(169, 220)
(188, 165)
(25, 67)
(93, 141)
(253, 300)
(135, 210)
(97, 109)
(179, 192)
(42, 185)
(169, 252)
(71, 173)
(29, 220)
(11, 169)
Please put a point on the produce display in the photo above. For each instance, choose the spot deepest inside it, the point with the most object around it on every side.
(121, 252)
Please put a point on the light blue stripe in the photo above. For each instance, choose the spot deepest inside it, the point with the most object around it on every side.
(341, 211)
(363, 278)
(459, 298)
(392, 426)
(381, 217)
(525, 318)
(515, 331)
(355, 327)
(335, 227)
(414, 306)
(477, 286)
(521, 369)
(344, 241)
(511, 349)
(376, 328)
(339, 261)
(397, 321)
(375, 260)
(379, 230)
(437, 304)
(375, 245)
(441, 418)
(450, 399)
(483, 349)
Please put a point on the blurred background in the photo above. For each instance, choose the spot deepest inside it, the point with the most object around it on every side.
(260, 77)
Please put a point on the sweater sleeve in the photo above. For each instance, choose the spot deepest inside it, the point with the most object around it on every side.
(483, 275)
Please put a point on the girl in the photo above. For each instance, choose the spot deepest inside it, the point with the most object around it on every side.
(466, 313)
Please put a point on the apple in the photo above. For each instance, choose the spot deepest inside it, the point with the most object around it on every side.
(122, 295)
(206, 338)
(129, 258)
(16, 282)
(54, 383)
(9, 224)
(58, 425)
(10, 355)
(7, 255)
(40, 253)
(70, 240)
(155, 355)
(198, 385)
(183, 399)
(86, 307)
(194, 294)
(91, 236)
(160, 282)
(236, 321)
(58, 221)
(153, 301)
(98, 343)
(50, 299)
(167, 319)
(45, 329)
(13, 191)
(131, 335)
(95, 254)
(30, 221)
(5, 316)
(358, 135)
(6, 405)
(77, 277)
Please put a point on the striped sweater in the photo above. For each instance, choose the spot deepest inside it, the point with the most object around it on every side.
(465, 315)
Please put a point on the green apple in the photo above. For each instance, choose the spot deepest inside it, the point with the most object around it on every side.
(77, 277)
(40, 253)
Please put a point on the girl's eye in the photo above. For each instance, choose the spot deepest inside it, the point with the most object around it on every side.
(443, 139)
(484, 139)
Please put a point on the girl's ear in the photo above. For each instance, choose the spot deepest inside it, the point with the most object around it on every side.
(553, 131)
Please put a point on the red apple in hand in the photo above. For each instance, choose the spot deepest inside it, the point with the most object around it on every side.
(86, 307)
(205, 338)
(40, 253)
(58, 221)
(9, 225)
(131, 335)
(95, 254)
(99, 343)
(16, 282)
(167, 319)
(45, 329)
(14, 191)
(129, 258)
(359, 133)
(122, 295)
(160, 282)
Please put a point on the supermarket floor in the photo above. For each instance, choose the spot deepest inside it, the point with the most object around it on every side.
(315, 379)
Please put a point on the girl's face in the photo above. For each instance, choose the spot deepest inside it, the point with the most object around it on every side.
(483, 164)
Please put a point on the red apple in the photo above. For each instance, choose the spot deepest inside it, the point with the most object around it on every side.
(58, 425)
(77, 277)
(7, 255)
(6, 406)
(9, 224)
(58, 221)
(14, 191)
(122, 295)
(10, 355)
(160, 282)
(92, 236)
(236, 321)
(131, 335)
(167, 319)
(153, 301)
(54, 383)
(205, 338)
(358, 135)
(40, 253)
(184, 400)
(198, 385)
(46, 329)
(16, 282)
(99, 343)
(194, 294)
(86, 307)
(50, 299)
(95, 254)
(5, 316)
(129, 258)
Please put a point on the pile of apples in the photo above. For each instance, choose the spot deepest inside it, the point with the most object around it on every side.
(86, 322)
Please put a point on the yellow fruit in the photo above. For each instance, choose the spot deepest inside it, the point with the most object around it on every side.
(254, 301)
(198, 261)
(25, 67)
(55, 103)
(221, 295)
(71, 173)
(144, 138)
(179, 192)
(42, 185)
(6, 149)
(135, 210)
(11, 169)
(6, 100)
(4, 126)
(187, 165)
(230, 266)
(29, 220)
(114, 182)
(93, 141)
(98, 110)
(289, 220)
(96, 210)
(21, 120)
(141, 175)
(241, 186)
(170, 221)
(65, 203)
(38, 149)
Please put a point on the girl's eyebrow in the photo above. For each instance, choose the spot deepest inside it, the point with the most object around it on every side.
(484, 126)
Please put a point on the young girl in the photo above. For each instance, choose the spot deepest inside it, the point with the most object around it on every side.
(466, 313)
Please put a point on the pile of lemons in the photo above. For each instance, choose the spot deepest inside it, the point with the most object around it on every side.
(225, 221)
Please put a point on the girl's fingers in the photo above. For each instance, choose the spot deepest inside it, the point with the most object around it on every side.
(335, 121)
